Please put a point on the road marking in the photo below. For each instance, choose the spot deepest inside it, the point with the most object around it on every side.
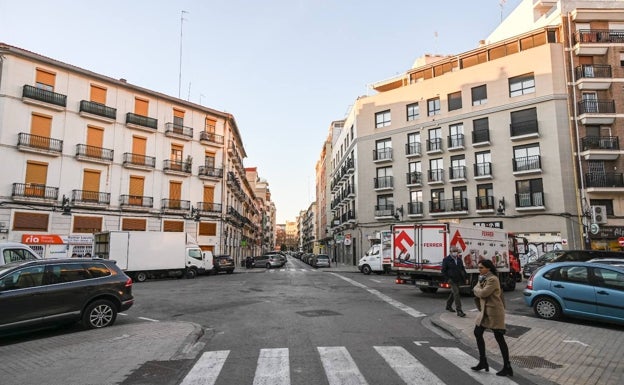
(148, 319)
(376, 280)
(407, 366)
(575, 342)
(420, 343)
(411, 311)
(206, 369)
(462, 360)
(340, 367)
(273, 367)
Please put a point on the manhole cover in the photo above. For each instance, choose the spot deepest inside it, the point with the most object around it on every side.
(515, 331)
(317, 313)
(534, 362)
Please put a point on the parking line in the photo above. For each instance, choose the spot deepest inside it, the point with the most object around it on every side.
(148, 319)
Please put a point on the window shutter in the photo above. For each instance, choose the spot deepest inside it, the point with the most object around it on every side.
(133, 224)
(98, 94)
(175, 190)
(136, 186)
(45, 77)
(41, 125)
(141, 106)
(30, 222)
(208, 194)
(207, 228)
(173, 226)
(87, 224)
(36, 173)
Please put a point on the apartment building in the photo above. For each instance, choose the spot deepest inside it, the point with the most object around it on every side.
(83, 153)
(266, 207)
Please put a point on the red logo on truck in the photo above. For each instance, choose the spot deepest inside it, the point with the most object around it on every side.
(458, 240)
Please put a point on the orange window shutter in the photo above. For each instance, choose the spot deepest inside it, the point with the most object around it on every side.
(136, 186)
(41, 125)
(36, 173)
(141, 106)
(91, 185)
(210, 125)
(139, 145)
(98, 94)
(45, 77)
(173, 226)
(178, 113)
(175, 190)
(95, 136)
(208, 194)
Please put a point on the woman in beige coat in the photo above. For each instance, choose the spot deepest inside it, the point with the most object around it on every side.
(492, 316)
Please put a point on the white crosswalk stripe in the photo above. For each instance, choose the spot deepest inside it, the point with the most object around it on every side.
(291, 269)
(273, 367)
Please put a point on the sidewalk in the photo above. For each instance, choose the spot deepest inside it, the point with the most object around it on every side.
(562, 352)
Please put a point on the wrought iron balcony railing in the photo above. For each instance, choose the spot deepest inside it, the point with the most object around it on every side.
(140, 120)
(98, 109)
(593, 71)
(436, 175)
(480, 136)
(176, 165)
(457, 172)
(172, 128)
(448, 205)
(383, 154)
(42, 95)
(175, 204)
(596, 107)
(599, 36)
(210, 171)
(483, 169)
(34, 190)
(384, 210)
(531, 199)
(456, 140)
(209, 207)
(485, 202)
(383, 182)
(136, 201)
(139, 160)
(524, 128)
(434, 144)
(414, 177)
(413, 149)
(94, 152)
(40, 142)
(211, 137)
(600, 143)
(526, 163)
(90, 196)
(414, 208)
(607, 179)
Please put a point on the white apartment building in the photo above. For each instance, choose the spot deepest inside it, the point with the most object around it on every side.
(83, 153)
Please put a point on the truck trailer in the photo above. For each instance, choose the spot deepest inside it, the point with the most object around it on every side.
(152, 254)
(418, 251)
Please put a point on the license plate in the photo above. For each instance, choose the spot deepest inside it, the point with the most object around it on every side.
(422, 283)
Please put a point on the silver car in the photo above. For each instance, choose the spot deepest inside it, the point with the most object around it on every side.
(321, 260)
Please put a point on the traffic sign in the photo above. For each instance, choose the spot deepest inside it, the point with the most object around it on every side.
(594, 228)
(621, 241)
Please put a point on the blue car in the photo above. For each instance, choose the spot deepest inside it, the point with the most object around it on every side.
(577, 289)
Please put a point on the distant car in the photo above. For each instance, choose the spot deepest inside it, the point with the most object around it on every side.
(16, 252)
(322, 260)
(268, 261)
(52, 291)
(223, 263)
(567, 256)
(608, 261)
(577, 289)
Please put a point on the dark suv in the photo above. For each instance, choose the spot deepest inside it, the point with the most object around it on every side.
(568, 256)
(51, 291)
(223, 263)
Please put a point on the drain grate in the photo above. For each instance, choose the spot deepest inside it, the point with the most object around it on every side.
(534, 362)
(317, 313)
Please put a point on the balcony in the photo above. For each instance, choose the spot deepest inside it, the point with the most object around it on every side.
(43, 98)
(600, 147)
(413, 150)
(415, 209)
(457, 174)
(455, 206)
(434, 146)
(456, 142)
(34, 193)
(212, 173)
(384, 211)
(593, 77)
(97, 111)
(39, 144)
(138, 161)
(94, 154)
(414, 179)
(383, 183)
(176, 167)
(485, 204)
(527, 165)
(607, 182)
(141, 122)
(530, 201)
(174, 206)
(481, 138)
(90, 199)
(596, 112)
(178, 131)
(435, 176)
(594, 42)
(209, 207)
(383, 155)
(136, 202)
(210, 138)
(483, 171)
(524, 130)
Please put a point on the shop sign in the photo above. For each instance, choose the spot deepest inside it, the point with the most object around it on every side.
(55, 239)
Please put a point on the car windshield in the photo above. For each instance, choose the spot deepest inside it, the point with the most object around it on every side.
(322, 257)
(550, 256)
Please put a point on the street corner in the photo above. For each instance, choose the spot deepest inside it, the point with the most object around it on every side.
(458, 327)
(194, 341)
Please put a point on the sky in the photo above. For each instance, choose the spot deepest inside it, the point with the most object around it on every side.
(284, 68)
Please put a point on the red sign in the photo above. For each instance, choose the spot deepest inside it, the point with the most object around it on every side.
(621, 241)
(42, 239)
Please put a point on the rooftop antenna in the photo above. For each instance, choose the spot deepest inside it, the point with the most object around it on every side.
(502, 4)
(180, 73)
(188, 96)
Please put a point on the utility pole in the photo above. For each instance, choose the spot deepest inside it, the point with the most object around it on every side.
(180, 73)
(502, 3)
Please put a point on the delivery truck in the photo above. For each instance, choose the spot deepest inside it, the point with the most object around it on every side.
(418, 251)
(152, 254)
(378, 258)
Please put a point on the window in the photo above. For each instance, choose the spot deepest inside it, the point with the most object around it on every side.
(415, 205)
(526, 157)
(437, 199)
(36, 178)
(30, 222)
(521, 85)
(529, 193)
(98, 94)
(454, 101)
(385, 205)
(384, 177)
(458, 167)
(434, 143)
(433, 107)
(483, 163)
(479, 95)
(97, 270)
(133, 224)
(141, 106)
(23, 278)
(609, 278)
(178, 118)
(382, 119)
(208, 228)
(456, 135)
(412, 112)
(524, 122)
(622, 59)
(480, 130)
(45, 79)
(413, 144)
(84, 224)
(414, 173)
(210, 125)
(383, 150)
(485, 196)
(173, 226)
(460, 198)
(436, 170)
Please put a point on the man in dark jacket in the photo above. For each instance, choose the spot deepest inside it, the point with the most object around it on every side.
(454, 272)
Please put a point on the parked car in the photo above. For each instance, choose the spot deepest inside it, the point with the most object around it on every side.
(268, 261)
(16, 252)
(608, 261)
(322, 260)
(577, 289)
(51, 291)
(223, 263)
(567, 256)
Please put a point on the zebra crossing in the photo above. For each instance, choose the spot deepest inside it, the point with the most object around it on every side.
(273, 367)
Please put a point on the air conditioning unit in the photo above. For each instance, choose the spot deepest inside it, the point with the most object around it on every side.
(599, 214)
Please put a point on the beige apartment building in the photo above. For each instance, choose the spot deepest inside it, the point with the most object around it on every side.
(84, 153)
(521, 133)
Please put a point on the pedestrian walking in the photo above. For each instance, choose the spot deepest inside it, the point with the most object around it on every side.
(491, 305)
(454, 272)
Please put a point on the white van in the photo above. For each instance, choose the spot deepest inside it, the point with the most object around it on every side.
(15, 252)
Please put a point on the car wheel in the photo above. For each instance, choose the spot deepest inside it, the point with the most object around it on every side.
(99, 314)
(268, 265)
(191, 273)
(547, 308)
(366, 270)
(141, 276)
(509, 283)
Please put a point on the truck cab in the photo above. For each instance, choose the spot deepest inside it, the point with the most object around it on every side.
(371, 261)
(197, 261)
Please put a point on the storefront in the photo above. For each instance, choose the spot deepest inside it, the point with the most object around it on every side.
(60, 246)
(608, 238)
